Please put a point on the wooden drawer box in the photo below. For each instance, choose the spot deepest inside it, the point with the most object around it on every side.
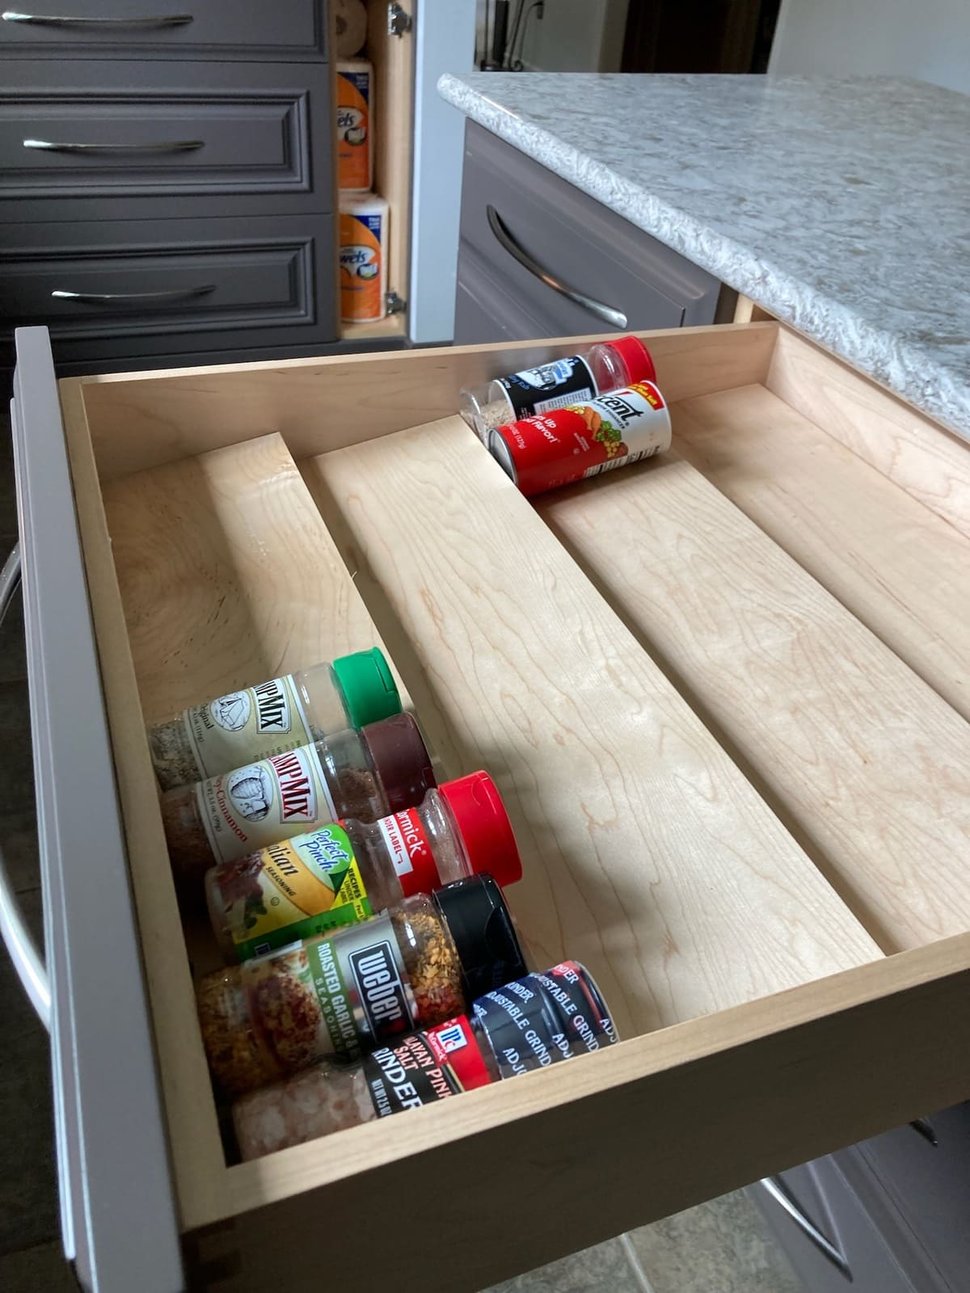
(722, 692)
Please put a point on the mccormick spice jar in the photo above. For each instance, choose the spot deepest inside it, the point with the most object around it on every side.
(346, 871)
(384, 767)
(603, 367)
(365, 986)
(531, 1023)
(277, 715)
(582, 440)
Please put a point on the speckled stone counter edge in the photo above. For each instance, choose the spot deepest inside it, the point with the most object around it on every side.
(900, 367)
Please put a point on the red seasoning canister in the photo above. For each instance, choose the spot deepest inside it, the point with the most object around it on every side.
(582, 440)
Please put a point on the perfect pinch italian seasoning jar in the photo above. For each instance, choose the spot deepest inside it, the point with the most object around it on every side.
(604, 367)
(584, 439)
(272, 717)
(528, 1024)
(347, 871)
(342, 995)
(367, 774)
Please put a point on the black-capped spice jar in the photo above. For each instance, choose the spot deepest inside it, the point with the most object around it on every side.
(367, 774)
(528, 1024)
(363, 986)
(346, 871)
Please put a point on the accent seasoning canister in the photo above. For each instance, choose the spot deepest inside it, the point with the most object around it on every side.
(584, 439)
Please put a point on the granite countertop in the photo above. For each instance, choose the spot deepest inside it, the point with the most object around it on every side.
(842, 206)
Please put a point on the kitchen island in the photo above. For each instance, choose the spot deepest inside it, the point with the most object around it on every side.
(838, 206)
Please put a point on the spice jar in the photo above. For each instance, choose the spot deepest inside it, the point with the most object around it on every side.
(583, 440)
(534, 1022)
(277, 715)
(384, 766)
(346, 871)
(604, 367)
(343, 994)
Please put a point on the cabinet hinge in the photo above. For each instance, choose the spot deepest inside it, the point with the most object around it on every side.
(394, 304)
(398, 21)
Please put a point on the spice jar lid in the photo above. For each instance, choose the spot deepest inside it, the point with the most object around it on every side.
(636, 357)
(369, 690)
(400, 759)
(484, 826)
(481, 926)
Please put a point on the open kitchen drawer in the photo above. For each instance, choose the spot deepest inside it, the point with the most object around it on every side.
(723, 693)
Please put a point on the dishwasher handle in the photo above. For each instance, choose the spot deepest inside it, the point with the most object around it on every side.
(27, 960)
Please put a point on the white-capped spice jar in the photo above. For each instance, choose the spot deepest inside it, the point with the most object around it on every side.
(535, 1021)
(583, 440)
(606, 366)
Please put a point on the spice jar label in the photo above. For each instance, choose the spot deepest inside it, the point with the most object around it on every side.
(246, 725)
(407, 845)
(262, 803)
(536, 390)
(291, 890)
(583, 440)
(362, 987)
(425, 1067)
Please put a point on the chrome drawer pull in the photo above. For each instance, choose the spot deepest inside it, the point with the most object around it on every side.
(116, 24)
(166, 146)
(777, 1189)
(27, 960)
(105, 298)
(605, 312)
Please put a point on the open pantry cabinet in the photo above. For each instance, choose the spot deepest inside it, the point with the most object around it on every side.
(417, 160)
(723, 692)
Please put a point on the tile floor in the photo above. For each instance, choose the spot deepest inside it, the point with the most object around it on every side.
(720, 1247)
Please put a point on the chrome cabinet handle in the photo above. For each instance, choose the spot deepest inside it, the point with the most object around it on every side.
(27, 960)
(105, 298)
(118, 24)
(777, 1189)
(165, 146)
(923, 1127)
(616, 318)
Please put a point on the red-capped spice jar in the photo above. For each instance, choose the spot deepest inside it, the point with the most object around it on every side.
(583, 440)
(533, 1022)
(606, 366)
(345, 871)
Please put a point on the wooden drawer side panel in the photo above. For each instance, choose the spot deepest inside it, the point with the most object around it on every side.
(646, 854)
(867, 763)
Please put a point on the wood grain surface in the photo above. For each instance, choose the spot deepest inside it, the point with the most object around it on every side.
(894, 563)
(869, 766)
(916, 453)
(141, 420)
(228, 575)
(647, 855)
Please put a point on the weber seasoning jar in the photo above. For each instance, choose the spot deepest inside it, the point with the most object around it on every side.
(528, 1024)
(606, 366)
(274, 716)
(584, 439)
(364, 774)
(344, 994)
(346, 871)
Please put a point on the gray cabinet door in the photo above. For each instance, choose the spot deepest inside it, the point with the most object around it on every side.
(156, 287)
(570, 264)
(140, 140)
(291, 29)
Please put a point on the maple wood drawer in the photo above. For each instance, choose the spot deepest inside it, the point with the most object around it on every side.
(732, 756)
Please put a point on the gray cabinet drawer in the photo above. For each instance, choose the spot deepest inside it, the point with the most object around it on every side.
(928, 1187)
(156, 287)
(819, 1194)
(572, 239)
(166, 29)
(135, 140)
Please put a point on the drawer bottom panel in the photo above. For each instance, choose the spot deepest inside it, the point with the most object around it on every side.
(115, 289)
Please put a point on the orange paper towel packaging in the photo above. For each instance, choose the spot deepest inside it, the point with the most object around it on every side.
(363, 257)
(355, 143)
